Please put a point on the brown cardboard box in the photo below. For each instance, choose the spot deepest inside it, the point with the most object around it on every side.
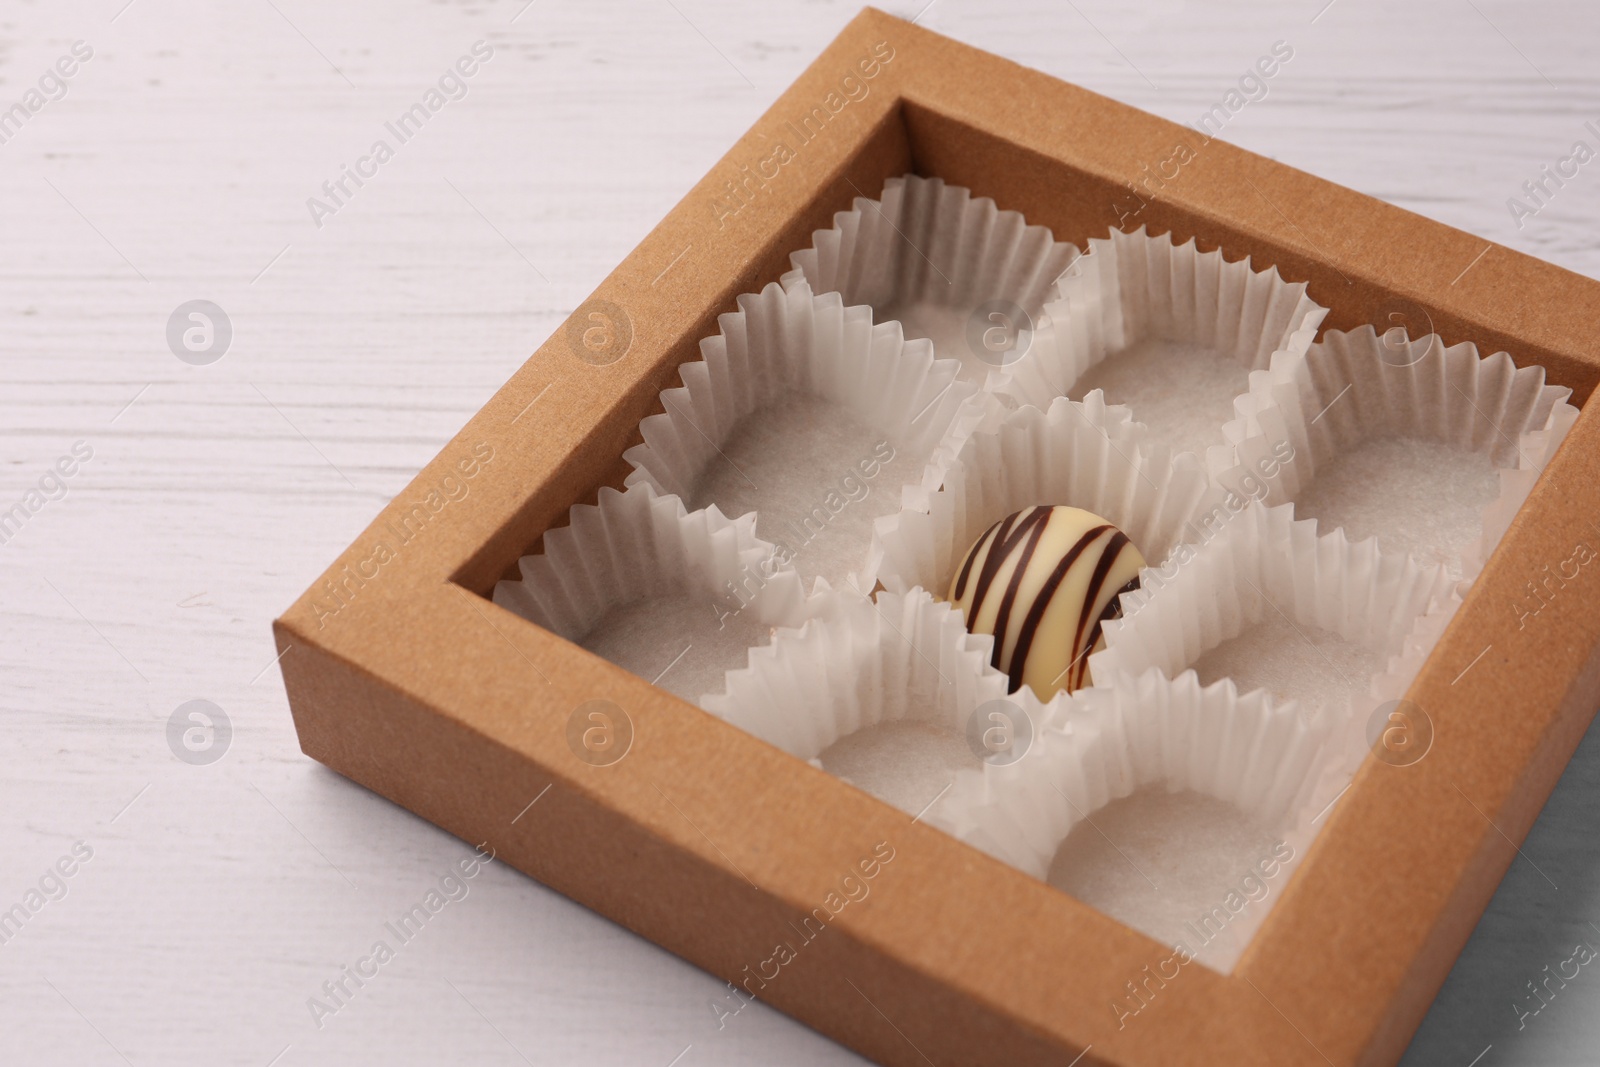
(405, 677)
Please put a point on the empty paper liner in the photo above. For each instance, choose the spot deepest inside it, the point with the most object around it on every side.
(1339, 627)
(863, 663)
(950, 266)
(806, 413)
(1102, 743)
(639, 580)
(1430, 449)
(1172, 332)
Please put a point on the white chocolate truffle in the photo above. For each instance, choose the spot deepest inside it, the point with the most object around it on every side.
(1042, 582)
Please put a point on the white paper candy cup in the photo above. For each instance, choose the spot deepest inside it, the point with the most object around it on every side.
(792, 412)
(1355, 389)
(1104, 743)
(1086, 455)
(1363, 734)
(860, 663)
(1264, 566)
(1020, 813)
(698, 579)
(1132, 288)
(936, 258)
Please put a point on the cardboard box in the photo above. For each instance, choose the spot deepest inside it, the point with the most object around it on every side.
(403, 676)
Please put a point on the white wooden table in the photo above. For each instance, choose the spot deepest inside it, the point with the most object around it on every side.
(178, 165)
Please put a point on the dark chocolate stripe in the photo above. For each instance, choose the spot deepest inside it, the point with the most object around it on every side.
(1002, 617)
(1108, 558)
(972, 554)
(1030, 624)
(1002, 538)
(995, 534)
(1113, 611)
(1004, 541)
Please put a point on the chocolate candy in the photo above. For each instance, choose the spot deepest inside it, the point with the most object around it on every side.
(1042, 582)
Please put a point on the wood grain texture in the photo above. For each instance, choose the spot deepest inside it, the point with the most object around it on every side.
(178, 165)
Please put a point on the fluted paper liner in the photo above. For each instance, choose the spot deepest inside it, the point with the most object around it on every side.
(1359, 386)
(638, 544)
(860, 663)
(782, 344)
(1105, 742)
(934, 254)
(1088, 455)
(1132, 286)
(1354, 738)
(1264, 564)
